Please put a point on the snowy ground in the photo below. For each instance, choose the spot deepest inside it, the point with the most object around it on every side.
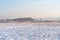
(29, 32)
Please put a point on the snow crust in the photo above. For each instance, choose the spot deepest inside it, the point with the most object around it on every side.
(30, 32)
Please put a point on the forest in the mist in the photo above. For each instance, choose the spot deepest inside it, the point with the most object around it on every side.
(29, 19)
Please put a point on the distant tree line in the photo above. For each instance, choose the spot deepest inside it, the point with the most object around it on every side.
(28, 19)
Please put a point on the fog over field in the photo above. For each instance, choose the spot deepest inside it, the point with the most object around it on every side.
(29, 19)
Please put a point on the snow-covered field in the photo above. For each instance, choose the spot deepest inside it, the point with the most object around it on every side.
(9, 31)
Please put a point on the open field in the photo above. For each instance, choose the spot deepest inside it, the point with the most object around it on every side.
(30, 31)
(30, 23)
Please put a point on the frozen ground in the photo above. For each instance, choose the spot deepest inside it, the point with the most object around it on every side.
(29, 32)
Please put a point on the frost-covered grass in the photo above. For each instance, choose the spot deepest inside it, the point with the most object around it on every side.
(30, 32)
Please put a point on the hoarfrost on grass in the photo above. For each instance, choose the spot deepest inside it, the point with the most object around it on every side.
(30, 33)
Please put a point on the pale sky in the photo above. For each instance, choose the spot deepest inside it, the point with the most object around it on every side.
(29, 8)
